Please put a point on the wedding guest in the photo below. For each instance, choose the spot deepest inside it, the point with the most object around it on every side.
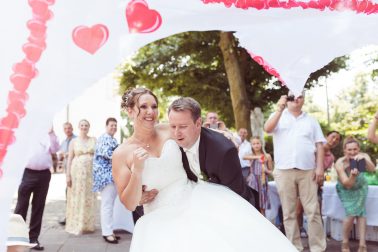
(18, 235)
(36, 181)
(372, 136)
(352, 189)
(103, 180)
(333, 140)
(298, 153)
(212, 121)
(243, 150)
(80, 210)
(260, 168)
(63, 152)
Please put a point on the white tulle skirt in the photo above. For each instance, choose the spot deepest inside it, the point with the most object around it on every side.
(210, 218)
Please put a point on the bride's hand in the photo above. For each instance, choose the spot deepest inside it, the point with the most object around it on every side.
(139, 156)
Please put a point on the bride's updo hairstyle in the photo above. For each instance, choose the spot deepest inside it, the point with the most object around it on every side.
(131, 97)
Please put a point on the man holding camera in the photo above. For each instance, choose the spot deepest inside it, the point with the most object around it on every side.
(298, 153)
(213, 122)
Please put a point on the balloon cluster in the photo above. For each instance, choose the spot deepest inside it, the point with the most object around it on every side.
(23, 72)
(359, 6)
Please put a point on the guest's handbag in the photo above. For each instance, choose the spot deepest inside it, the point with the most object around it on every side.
(359, 164)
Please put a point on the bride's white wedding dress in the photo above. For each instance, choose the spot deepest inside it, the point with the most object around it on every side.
(195, 217)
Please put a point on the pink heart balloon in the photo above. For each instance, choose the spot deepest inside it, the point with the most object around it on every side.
(40, 42)
(20, 82)
(141, 19)
(6, 138)
(37, 28)
(25, 68)
(39, 8)
(90, 39)
(11, 121)
(32, 51)
(17, 108)
(17, 96)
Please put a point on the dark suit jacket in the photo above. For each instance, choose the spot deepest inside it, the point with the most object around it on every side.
(219, 160)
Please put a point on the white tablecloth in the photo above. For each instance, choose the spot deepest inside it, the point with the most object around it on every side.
(333, 208)
(275, 202)
(122, 218)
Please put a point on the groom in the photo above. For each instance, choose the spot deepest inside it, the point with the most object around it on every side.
(206, 154)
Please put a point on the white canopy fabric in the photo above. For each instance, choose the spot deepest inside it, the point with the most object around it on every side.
(51, 51)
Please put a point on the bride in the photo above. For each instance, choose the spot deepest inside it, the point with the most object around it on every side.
(184, 216)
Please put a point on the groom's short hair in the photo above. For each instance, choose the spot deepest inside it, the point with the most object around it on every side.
(186, 103)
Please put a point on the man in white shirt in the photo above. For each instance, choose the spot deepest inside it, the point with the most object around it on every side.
(245, 148)
(298, 152)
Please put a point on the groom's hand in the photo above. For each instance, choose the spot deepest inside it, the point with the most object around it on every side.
(147, 196)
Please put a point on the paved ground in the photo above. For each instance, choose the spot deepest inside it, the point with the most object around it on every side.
(55, 239)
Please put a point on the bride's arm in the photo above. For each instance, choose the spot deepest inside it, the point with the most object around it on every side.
(128, 181)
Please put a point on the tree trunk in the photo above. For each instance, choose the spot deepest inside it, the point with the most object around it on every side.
(239, 99)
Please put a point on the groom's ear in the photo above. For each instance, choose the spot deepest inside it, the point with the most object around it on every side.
(199, 122)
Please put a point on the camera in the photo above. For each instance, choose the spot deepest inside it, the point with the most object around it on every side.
(290, 98)
(214, 126)
(360, 165)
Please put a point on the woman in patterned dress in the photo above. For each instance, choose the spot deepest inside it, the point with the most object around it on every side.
(81, 200)
(352, 189)
(261, 167)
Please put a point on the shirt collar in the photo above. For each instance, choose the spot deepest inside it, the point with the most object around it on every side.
(303, 114)
(194, 148)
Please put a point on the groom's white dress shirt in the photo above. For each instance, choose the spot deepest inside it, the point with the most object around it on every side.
(193, 158)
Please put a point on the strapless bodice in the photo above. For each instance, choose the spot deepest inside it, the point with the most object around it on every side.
(166, 174)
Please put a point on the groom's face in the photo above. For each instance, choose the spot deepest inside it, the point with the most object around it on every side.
(183, 129)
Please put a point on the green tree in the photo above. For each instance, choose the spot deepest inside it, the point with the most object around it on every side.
(193, 64)
(353, 109)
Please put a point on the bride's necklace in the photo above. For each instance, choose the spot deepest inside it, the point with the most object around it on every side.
(147, 145)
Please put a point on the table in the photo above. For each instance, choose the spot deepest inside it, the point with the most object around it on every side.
(332, 207)
(122, 218)
(275, 202)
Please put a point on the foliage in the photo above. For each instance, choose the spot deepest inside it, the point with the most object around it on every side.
(353, 111)
(191, 64)
(354, 108)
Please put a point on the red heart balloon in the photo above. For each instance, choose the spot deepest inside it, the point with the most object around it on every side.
(90, 39)
(3, 152)
(38, 41)
(11, 121)
(39, 8)
(37, 28)
(44, 18)
(17, 96)
(25, 68)
(17, 108)
(32, 51)
(141, 19)
(6, 138)
(20, 82)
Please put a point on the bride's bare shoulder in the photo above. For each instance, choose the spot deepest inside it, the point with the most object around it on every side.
(124, 149)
